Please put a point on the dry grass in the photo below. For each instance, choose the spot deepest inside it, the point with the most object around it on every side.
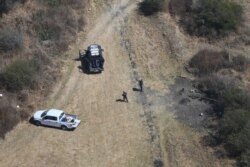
(10, 115)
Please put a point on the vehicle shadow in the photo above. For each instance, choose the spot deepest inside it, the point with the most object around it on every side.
(84, 70)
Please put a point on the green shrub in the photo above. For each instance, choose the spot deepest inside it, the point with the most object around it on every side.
(150, 7)
(53, 3)
(244, 160)
(233, 121)
(211, 18)
(44, 33)
(236, 98)
(10, 40)
(238, 142)
(233, 129)
(17, 76)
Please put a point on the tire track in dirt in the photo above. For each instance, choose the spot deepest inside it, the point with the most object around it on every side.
(142, 98)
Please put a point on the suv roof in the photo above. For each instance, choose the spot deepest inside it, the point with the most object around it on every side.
(94, 49)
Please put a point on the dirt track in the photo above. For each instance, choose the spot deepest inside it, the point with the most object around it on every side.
(111, 133)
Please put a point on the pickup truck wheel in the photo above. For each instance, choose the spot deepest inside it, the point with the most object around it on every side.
(64, 128)
(37, 123)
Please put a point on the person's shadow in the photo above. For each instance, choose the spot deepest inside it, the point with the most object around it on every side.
(136, 89)
(119, 100)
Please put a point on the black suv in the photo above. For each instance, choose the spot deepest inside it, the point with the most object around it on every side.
(92, 59)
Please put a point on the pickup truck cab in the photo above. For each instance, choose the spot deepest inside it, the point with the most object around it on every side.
(55, 118)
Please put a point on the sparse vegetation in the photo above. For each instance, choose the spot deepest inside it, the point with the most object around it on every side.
(213, 18)
(10, 40)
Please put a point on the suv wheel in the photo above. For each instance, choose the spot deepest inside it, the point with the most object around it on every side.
(64, 128)
(37, 123)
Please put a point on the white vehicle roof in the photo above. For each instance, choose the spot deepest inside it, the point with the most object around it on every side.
(54, 112)
(94, 50)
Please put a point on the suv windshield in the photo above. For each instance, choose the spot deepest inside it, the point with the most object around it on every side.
(44, 113)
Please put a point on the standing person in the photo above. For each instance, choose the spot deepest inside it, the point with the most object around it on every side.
(124, 95)
(141, 85)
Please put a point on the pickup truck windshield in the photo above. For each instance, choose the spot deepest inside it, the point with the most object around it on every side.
(61, 116)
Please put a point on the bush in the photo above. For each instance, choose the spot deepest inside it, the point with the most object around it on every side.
(233, 122)
(216, 85)
(48, 31)
(179, 7)
(211, 18)
(244, 160)
(238, 142)
(150, 7)
(10, 40)
(240, 63)
(236, 98)
(8, 119)
(53, 3)
(5, 5)
(233, 106)
(208, 61)
(17, 76)
(9, 115)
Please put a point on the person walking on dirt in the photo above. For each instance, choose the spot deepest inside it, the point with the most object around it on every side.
(124, 96)
(141, 85)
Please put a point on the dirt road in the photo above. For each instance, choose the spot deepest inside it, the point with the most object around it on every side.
(111, 133)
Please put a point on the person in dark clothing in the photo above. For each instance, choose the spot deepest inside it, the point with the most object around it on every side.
(141, 85)
(124, 96)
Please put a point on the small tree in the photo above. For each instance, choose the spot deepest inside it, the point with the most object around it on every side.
(150, 7)
(17, 76)
(10, 40)
(213, 17)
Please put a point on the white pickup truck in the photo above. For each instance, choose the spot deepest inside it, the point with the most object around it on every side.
(56, 118)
